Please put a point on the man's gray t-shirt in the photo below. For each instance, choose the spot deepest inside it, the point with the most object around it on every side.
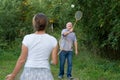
(67, 41)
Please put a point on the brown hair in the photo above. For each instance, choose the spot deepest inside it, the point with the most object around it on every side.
(40, 22)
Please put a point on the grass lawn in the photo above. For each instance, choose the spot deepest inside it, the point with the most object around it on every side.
(85, 67)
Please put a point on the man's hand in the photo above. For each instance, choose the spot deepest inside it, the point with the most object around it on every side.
(71, 30)
(76, 52)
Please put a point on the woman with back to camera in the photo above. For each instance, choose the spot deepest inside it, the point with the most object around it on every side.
(35, 51)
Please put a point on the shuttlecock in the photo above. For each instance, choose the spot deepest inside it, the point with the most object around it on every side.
(72, 5)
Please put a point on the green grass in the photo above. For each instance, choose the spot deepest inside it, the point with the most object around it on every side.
(85, 67)
(7, 63)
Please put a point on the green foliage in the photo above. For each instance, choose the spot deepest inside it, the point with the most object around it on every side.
(101, 25)
(16, 16)
(59, 11)
(98, 29)
(9, 12)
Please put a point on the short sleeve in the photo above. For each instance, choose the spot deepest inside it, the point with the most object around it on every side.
(63, 31)
(75, 39)
(25, 40)
(54, 42)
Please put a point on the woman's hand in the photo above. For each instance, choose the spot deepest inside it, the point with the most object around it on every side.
(10, 77)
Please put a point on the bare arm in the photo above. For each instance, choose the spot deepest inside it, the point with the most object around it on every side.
(76, 47)
(54, 55)
(19, 64)
(66, 33)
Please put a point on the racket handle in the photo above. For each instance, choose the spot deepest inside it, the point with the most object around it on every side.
(59, 52)
(74, 24)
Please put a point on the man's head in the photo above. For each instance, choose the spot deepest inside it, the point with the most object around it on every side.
(40, 22)
(69, 25)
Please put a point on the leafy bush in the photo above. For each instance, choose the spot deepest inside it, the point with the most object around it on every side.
(101, 25)
(10, 15)
(98, 29)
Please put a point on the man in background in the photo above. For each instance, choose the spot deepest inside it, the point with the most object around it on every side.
(68, 39)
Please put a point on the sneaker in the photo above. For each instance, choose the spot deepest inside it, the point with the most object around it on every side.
(60, 77)
(70, 78)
